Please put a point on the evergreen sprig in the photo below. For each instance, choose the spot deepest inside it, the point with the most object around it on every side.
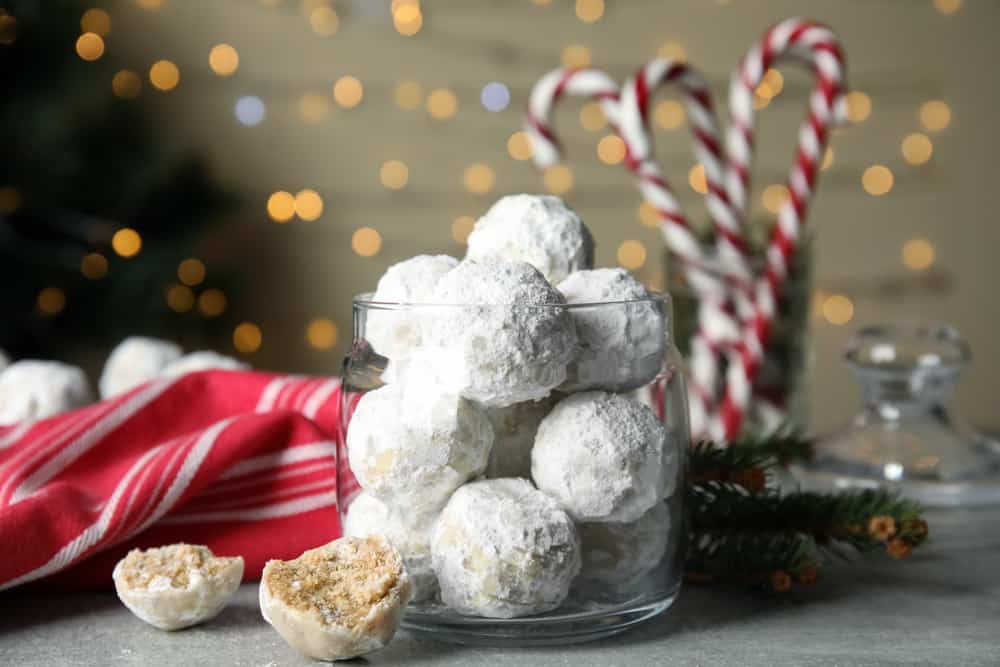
(744, 530)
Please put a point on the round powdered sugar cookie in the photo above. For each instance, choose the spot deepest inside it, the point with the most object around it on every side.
(393, 332)
(602, 457)
(504, 339)
(409, 532)
(31, 389)
(514, 429)
(621, 341)
(135, 361)
(620, 552)
(501, 549)
(412, 443)
(537, 229)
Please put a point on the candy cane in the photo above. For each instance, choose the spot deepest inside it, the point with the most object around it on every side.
(715, 326)
(817, 45)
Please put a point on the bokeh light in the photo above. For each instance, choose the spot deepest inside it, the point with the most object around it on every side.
(947, 7)
(314, 107)
(180, 298)
(611, 149)
(461, 227)
(164, 75)
(838, 309)
(407, 18)
(281, 206)
(126, 242)
(366, 242)
(495, 96)
(592, 117)
(8, 28)
(442, 104)
(247, 337)
(774, 197)
(697, 180)
(771, 84)
(308, 205)
(126, 84)
(90, 46)
(917, 148)
(673, 50)
(648, 215)
(321, 334)
(576, 56)
(859, 106)
(94, 266)
(10, 199)
(348, 92)
(96, 20)
(877, 180)
(250, 110)
(212, 302)
(51, 301)
(519, 146)
(631, 254)
(191, 272)
(935, 115)
(558, 179)
(827, 159)
(918, 254)
(408, 95)
(669, 114)
(223, 59)
(151, 5)
(394, 174)
(478, 178)
(324, 20)
(589, 11)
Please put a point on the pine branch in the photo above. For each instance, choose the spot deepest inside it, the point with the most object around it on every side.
(742, 531)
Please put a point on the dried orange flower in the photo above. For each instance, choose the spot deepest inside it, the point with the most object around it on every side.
(899, 549)
(882, 527)
(781, 581)
(808, 575)
(917, 528)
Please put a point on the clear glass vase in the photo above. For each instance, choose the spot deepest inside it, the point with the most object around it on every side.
(904, 438)
(595, 607)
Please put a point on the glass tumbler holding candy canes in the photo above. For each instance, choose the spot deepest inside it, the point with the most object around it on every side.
(522, 445)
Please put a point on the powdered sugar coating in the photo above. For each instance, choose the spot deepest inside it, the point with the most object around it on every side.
(203, 360)
(506, 349)
(621, 344)
(31, 389)
(601, 456)
(411, 444)
(501, 549)
(394, 333)
(409, 532)
(135, 361)
(538, 229)
(620, 552)
(514, 429)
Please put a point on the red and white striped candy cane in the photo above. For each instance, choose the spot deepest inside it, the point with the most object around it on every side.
(800, 39)
(716, 327)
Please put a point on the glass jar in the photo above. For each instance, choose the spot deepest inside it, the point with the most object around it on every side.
(904, 437)
(595, 607)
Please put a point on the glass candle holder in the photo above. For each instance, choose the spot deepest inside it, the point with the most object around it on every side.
(389, 346)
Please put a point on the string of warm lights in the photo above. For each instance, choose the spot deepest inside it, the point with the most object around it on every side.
(317, 102)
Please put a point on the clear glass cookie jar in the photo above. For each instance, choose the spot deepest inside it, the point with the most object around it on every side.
(630, 569)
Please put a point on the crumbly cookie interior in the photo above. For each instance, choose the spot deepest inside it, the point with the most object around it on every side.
(340, 582)
(174, 564)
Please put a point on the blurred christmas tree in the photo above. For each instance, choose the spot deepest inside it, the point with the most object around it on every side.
(95, 213)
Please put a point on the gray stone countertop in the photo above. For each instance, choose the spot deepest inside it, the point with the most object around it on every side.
(941, 607)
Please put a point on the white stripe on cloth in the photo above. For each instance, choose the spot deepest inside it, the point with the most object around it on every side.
(285, 457)
(319, 397)
(15, 434)
(270, 394)
(161, 480)
(231, 486)
(275, 511)
(66, 456)
(267, 498)
(90, 536)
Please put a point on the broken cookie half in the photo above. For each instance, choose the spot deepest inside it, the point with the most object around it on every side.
(338, 601)
(176, 586)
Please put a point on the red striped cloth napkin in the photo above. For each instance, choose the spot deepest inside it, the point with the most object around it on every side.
(244, 462)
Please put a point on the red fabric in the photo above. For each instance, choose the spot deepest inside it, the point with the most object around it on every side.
(247, 463)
